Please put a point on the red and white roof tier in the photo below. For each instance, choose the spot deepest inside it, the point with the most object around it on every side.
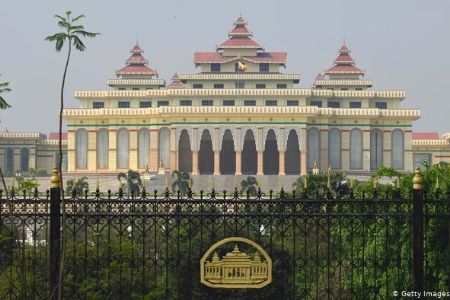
(240, 37)
(136, 64)
(344, 63)
(176, 82)
(425, 136)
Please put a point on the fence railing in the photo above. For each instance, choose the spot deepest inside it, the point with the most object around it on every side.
(148, 245)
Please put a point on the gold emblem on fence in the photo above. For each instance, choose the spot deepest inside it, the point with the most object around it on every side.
(236, 269)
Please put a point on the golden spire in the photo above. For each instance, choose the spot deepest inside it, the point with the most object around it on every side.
(418, 183)
(54, 179)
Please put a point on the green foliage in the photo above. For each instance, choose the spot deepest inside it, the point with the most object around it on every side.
(4, 88)
(181, 182)
(131, 181)
(28, 184)
(79, 185)
(249, 185)
(322, 185)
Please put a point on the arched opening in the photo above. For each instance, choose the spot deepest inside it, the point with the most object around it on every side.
(292, 156)
(398, 149)
(270, 156)
(206, 154)
(143, 148)
(249, 157)
(334, 149)
(313, 142)
(376, 149)
(164, 148)
(102, 148)
(227, 154)
(356, 150)
(184, 152)
(24, 159)
(9, 160)
(123, 149)
(81, 148)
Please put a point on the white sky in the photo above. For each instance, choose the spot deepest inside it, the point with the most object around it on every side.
(402, 44)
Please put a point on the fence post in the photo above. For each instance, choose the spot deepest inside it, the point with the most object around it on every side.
(418, 237)
(55, 233)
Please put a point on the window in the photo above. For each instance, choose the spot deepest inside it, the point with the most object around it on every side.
(102, 148)
(228, 102)
(185, 102)
(98, 104)
(163, 103)
(215, 67)
(271, 102)
(356, 152)
(421, 158)
(144, 104)
(317, 103)
(344, 89)
(135, 89)
(218, 85)
(207, 102)
(358, 89)
(249, 102)
(81, 148)
(381, 105)
(264, 68)
(9, 160)
(397, 149)
(260, 85)
(292, 102)
(281, 86)
(334, 104)
(334, 148)
(124, 104)
(355, 104)
(123, 150)
(24, 159)
(239, 84)
(376, 149)
(164, 147)
(143, 148)
(197, 86)
(121, 89)
(313, 145)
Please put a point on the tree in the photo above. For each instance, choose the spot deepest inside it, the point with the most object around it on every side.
(72, 34)
(250, 185)
(182, 181)
(78, 185)
(4, 88)
(132, 180)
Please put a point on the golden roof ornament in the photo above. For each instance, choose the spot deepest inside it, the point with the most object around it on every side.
(54, 180)
(418, 183)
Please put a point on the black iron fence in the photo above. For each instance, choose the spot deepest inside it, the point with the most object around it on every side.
(149, 245)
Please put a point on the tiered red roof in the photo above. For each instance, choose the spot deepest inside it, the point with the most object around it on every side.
(55, 136)
(240, 37)
(344, 63)
(425, 136)
(176, 82)
(136, 64)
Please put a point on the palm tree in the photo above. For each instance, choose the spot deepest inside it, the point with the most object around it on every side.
(4, 88)
(132, 179)
(182, 181)
(250, 185)
(71, 33)
(78, 185)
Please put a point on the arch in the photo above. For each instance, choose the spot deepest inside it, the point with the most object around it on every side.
(313, 143)
(184, 152)
(249, 157)
(164, 147)
(206, 154)
(81, 148)
(287, 133)
(334, 148)
(143, 148)
(292, 156)
(254, 134)
(102, 148)
(123, 148)
(398, 149)
(271, 156)
(356, 149)
(9, 159)
(211, 135)
(227, 154)
(376, 149)
(24, 159)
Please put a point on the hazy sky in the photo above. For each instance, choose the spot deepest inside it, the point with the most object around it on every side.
(402, 44)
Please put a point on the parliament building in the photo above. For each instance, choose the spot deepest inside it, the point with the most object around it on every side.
(240, 114)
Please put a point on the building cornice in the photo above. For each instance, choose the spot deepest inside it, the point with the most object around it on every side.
(22, 135)
(430, 143)
(160, 82)
(344, 82)
(257, 76)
